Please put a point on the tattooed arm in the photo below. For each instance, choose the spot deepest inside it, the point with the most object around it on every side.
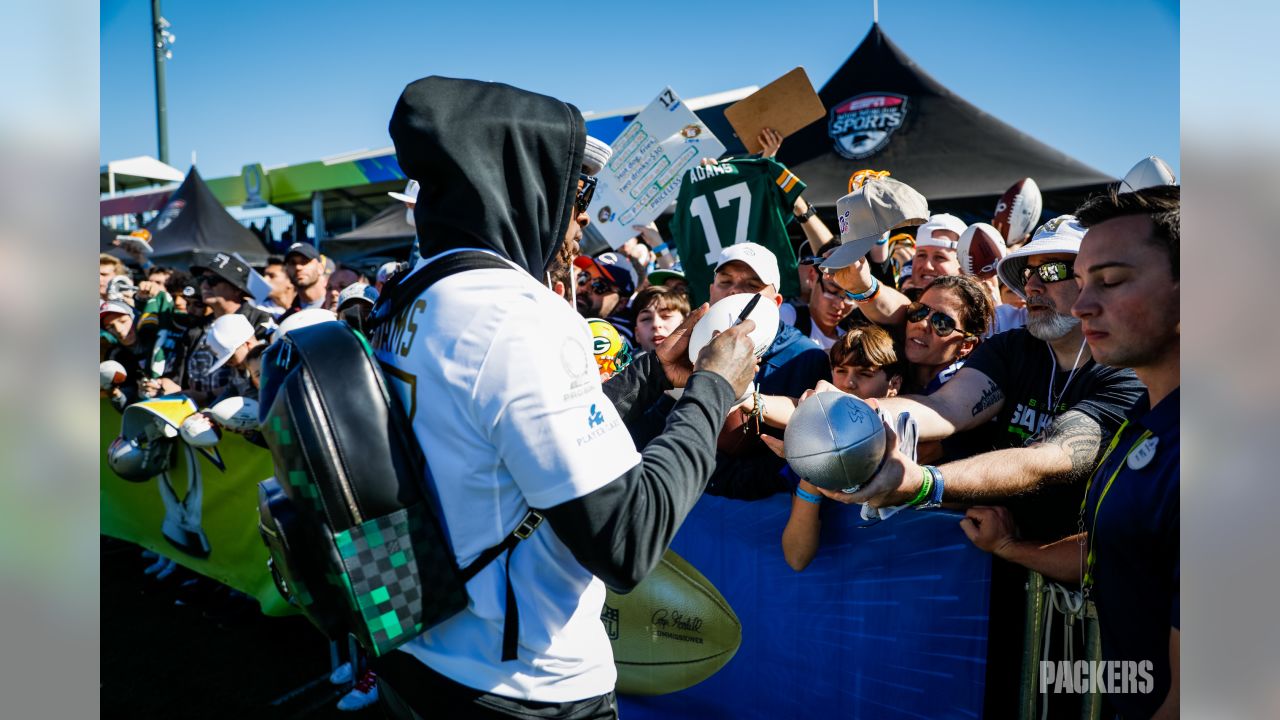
(966, 401)
(1067, 454)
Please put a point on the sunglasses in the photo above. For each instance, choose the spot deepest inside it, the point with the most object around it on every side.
(834, 291)
(1050, 272)
(585, 193)
(942, 324)
(598, 286)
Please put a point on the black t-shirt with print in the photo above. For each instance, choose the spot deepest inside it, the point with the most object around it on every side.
(1022, 366)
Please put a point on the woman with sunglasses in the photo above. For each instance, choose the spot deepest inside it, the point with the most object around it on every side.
(942, 328)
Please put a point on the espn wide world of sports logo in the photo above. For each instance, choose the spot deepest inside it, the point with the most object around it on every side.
(1111, 677)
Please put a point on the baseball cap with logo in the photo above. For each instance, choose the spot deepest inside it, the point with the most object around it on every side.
(358, 292)
(225, 335)
(224, 266)
(1060, 235)
(613, 267)
(869, 212)
(306, 250)
(944, 221)
(758, 257)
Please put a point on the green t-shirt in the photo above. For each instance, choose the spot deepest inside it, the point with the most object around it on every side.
(738, 200)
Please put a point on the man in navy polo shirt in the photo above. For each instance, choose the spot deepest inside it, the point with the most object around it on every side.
(1128, 306)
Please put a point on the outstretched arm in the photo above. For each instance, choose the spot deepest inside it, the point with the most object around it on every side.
(966, 401)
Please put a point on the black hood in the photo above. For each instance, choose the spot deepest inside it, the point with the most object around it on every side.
(498, 167)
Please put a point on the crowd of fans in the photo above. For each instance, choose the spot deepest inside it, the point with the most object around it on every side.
(1011, 405)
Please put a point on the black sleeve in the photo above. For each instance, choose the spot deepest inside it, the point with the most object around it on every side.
(993, 355)
(621, 531)
(749, 476)
(637, 387)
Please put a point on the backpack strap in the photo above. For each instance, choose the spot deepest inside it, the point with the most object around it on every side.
(403, 291)
(406, 287)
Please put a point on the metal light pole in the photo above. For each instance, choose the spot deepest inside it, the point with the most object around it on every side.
(161, 40)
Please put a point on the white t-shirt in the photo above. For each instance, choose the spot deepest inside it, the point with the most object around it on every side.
(505, 397)
(1007, 318)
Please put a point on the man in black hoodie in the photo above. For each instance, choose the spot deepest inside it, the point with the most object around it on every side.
(497, 373)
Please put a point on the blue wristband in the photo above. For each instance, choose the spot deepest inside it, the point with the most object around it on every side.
(868, 294)
(935, 496)
(807, 496)
(883, 239)
(660, 249)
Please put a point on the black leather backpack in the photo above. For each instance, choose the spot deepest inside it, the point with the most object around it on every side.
(354, 537)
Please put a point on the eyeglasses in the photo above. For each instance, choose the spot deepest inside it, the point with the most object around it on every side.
(1050, 272)
(585, 193)
(598, 286)
(942, 324)
(834, 291)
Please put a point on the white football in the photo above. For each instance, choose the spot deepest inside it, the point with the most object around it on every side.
(110, 374)
(724, 314)
(1149, 172)
(1018, 210)
(239, 414)
(199, 431)
(980, 250)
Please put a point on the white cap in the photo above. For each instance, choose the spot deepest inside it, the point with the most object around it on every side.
(945, 221)
(387, 270)
(225, 335)
(757, 257)
(1060, 235)
(1150, 171)
(301, 319)
(596, 156)
(410, 194)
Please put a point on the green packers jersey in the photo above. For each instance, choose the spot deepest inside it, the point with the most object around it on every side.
(738, 200)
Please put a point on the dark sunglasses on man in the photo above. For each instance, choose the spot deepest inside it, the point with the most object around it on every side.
(585, 193)
(597, 285)
(1050, 272)
(942, 323)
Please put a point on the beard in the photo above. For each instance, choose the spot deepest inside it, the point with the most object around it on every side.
(1051, 327)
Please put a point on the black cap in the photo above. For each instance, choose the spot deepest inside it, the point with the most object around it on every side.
(307, 250)
(224, 266)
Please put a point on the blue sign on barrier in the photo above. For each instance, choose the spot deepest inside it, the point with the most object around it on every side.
(888, 621)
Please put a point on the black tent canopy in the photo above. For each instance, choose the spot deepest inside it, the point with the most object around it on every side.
(387, 233)
(193, 220)
(885, 113)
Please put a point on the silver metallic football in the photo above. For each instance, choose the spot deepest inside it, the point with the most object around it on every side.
(835, 441)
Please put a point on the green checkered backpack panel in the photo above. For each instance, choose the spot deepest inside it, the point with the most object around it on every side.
(387, 562)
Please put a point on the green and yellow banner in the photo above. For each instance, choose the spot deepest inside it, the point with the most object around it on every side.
(203, 516)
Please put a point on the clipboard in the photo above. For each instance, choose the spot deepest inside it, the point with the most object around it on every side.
(786, 105)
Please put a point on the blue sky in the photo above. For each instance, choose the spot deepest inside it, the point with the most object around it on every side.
(278, 82)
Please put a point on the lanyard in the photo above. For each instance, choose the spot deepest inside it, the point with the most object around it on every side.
(1088, 569)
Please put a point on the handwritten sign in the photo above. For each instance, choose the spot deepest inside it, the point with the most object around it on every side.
(649, 158)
